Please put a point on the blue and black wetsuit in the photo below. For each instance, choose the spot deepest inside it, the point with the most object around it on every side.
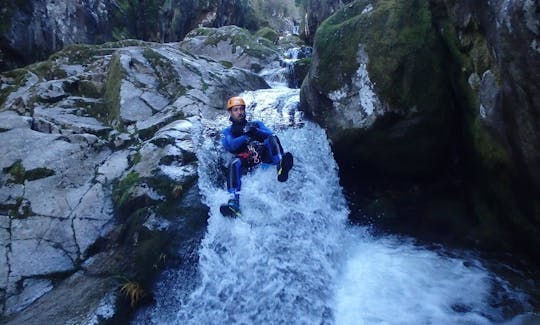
(257, 146)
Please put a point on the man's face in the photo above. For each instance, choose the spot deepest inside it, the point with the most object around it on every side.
(238, 113)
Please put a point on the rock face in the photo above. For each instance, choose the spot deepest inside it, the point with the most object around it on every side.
(451, 89)
(316, 11)
(495, 44)
(231, 45)
(97, 141)
(32, 30)
(379, 90)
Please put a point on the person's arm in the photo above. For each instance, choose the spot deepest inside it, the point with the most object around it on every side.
(232, 144)
(261, 131)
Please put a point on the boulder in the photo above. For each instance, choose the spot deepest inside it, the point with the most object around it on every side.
(89, 132)
(377, 86)
(231, 45)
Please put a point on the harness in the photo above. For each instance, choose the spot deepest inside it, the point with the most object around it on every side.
(252, 155)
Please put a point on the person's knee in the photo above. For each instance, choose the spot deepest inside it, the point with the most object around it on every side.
(235, 163)
(274, 148)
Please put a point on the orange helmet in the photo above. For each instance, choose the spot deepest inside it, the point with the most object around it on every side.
(235, 101)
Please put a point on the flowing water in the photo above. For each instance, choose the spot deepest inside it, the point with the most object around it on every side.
(292, 258)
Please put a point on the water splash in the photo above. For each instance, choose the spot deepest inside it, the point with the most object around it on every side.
(292, 257)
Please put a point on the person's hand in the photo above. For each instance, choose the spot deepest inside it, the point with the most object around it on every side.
(250, 129)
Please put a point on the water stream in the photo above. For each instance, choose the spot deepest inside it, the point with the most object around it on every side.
(292, 258)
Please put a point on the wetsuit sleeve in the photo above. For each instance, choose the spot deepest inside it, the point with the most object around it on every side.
(262, 131)
(232, 144)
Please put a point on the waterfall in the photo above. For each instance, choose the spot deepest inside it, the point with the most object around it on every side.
(283, 72)
(292, 258)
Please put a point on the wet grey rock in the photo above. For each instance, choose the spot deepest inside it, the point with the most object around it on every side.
(56, 306)
(66, 121)
(5, 237)
(38, 28)
(230, 44)
(11, 120)
(32, 289)
(73, 136)
(132, 107)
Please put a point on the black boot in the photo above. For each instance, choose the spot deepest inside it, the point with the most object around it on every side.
(231, 209)
(284, 167)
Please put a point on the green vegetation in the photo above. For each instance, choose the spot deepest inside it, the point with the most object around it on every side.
(38, 173)
(226, 64)
(12, 80)
(21, 209)
(133, 291)
(268, 33)
(122, 191)
(403, 55)
(169, 80)
(19, 174)
(237, 37)
(79, 53)
(110, 111)
(16, 171)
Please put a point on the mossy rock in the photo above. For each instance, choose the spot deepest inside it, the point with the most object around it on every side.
(12, 80)
(16, 171)
(405, 65)
(226, 64)
(268, 33)
(168, 188)
(123, 43)
(109, 113)
(122, 191)
(404, 55)
(78, 54)
(290, 41)
(47, 70)
(169, 83)
(19, 174)
(301, 68)
(237, 37)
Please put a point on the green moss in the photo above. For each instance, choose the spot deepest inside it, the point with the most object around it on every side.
(237, 37)
(89, 88)
(21, 209)
(404, 63)
(110, 111)
(268, 33)
(122, 43)
(47, 70)
(122, 190)
(19, 174)
(226, 64)
(136, 159)
(448, 34)
(493, 156)
(149, 254)
(77, 54)
(38, 173)
(16, 171)
(169, 81)
(12, 80)
(163, 185)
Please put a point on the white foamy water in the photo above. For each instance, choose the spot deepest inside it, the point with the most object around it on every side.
(293, 259)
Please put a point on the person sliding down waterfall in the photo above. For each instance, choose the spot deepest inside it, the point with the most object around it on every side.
(252, 143)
